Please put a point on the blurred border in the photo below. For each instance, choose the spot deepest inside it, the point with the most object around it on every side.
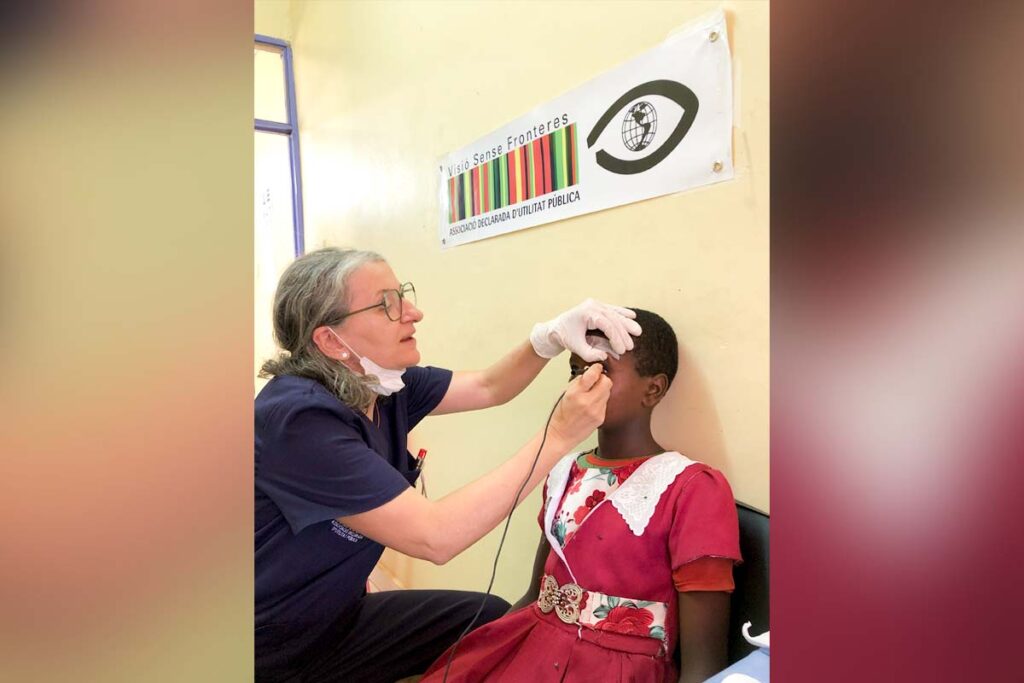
(897, 330)
(127, 341)
(126, 297)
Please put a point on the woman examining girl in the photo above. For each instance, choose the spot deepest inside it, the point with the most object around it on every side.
(636, 555)
(333, 474)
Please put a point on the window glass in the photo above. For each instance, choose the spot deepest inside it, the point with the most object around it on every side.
(274, 240)
(271, 100)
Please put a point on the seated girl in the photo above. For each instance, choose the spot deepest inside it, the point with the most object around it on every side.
(636, 555)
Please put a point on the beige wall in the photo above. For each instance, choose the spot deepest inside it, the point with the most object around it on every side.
(274, 18)
(386, 89)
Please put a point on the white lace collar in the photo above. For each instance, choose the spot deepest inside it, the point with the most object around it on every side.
(637, 497)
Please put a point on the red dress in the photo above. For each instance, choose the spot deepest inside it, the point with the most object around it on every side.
(607, 610)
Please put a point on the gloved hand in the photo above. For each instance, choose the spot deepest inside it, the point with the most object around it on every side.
(582, 409)
(569, 331)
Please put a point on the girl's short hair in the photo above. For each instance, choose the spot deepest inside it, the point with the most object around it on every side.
(656, 351)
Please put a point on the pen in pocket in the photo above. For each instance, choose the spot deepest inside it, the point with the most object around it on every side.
(420, 457)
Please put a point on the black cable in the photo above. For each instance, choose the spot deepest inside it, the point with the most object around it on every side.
(508, 520)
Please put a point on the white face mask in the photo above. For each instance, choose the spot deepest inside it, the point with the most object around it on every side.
(388, 381)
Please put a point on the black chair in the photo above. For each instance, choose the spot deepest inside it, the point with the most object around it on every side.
(750, 599)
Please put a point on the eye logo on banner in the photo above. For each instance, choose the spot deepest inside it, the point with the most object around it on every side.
(641, 123)
(612, 141)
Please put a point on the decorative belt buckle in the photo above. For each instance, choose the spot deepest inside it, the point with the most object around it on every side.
(565, 600)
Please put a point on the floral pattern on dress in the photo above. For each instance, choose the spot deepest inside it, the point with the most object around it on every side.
(587, 488)
(620, 615)
(558, 531)
(634, 621)
(615, 475)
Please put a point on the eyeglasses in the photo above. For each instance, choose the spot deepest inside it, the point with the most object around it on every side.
(391, 302)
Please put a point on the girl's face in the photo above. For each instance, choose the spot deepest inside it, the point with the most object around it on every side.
(626, 401)
(389, 343)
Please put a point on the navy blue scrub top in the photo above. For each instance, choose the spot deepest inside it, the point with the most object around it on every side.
(318, 459)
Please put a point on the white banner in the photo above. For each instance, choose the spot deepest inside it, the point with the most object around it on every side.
(658, 124)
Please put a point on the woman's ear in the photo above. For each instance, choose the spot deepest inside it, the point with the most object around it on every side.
(656, 388)
(329, 344)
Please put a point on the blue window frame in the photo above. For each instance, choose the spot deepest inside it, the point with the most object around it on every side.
(290, 128)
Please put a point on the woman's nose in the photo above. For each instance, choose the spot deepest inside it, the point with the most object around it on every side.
(410, 312)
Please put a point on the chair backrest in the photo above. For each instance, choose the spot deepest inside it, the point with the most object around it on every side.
(750, 599)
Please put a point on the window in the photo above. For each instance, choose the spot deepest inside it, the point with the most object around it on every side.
(277, 213)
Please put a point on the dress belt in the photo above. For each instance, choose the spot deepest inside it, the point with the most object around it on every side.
(573, 604)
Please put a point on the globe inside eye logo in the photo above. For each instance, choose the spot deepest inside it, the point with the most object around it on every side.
(640, 123)
(639, 126)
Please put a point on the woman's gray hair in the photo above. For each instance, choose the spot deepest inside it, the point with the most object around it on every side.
(313, 292)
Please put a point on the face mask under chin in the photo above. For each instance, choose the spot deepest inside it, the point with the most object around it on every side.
(388, 381)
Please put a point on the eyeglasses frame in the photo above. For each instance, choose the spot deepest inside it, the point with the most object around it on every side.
(402, 290)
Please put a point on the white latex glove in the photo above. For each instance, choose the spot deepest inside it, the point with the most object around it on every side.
(601, 344)
(569, 331)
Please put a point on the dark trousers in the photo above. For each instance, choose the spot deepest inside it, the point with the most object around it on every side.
(395, 634)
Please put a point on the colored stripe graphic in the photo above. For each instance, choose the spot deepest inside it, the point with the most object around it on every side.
(517, 165)
(510, 165)
(495, 183)
(451, 200)
(531, 171)
(538, 167)
(492, 178)
(518, 156)
(558, 158)
(478, 187)
(545, 151)
(562, 167)
(457, 197)
(541, 166)
(476, 190)
(521, 176)
(560, 151)
(505, 180)
(531, 189)
(524, 176)
(572, 152)
(486, 187)
(509, 176)
(567, 157)
(513, 185)
(464, 207)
